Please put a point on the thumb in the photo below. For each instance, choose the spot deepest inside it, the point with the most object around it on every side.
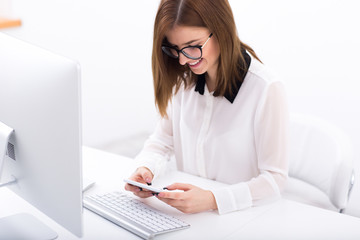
(179, 186)
(147, 175)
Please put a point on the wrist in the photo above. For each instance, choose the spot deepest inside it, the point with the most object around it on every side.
(213, 205)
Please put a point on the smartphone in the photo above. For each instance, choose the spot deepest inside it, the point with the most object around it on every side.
(143, 186)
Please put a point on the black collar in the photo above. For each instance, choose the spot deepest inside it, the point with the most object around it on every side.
(200, 83)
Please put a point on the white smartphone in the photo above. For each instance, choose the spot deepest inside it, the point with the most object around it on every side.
(144, 186)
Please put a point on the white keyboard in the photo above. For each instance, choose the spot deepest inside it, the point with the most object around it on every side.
(132, 214)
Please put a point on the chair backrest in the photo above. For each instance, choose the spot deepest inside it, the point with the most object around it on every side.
(321, 155)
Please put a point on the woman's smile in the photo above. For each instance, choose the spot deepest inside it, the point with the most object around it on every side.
(195, 64)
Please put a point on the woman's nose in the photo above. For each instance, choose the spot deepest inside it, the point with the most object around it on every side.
(182, 59)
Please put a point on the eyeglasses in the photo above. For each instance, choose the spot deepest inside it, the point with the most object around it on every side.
(192, 52)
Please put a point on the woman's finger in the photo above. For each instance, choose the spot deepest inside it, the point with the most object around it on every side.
(180, 186)
(146, 176)
(143, 194)
(172, 195)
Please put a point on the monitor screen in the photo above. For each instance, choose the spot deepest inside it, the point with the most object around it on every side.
(40, 101)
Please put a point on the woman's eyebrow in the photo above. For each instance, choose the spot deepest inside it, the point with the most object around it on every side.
(190, 42)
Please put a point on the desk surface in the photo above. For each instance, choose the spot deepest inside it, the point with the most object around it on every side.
(283, 219)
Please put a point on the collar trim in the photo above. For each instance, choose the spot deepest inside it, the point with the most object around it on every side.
(200, 83)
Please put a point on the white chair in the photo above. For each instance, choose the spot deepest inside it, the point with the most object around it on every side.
(320, 163)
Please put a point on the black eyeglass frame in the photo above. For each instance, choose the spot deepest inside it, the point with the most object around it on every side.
(200, 47)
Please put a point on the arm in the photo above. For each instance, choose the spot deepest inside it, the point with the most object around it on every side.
(271, 137)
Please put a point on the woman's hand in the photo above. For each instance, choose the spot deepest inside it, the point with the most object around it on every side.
(192, 200)
(141, 175)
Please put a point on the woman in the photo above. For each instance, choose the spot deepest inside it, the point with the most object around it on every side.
(223, 117)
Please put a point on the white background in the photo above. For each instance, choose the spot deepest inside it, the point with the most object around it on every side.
(313, 46)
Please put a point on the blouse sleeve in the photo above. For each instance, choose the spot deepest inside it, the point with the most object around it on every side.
(158, 148)
(271, 139)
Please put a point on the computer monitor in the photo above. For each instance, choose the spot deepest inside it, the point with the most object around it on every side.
(40, 100)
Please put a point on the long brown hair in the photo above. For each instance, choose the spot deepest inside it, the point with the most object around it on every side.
(215, 15)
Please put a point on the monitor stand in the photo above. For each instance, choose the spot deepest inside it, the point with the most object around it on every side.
(22, 225)
(5, 133)
(25, 226)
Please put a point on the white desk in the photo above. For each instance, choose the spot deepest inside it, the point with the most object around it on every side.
(283, 219)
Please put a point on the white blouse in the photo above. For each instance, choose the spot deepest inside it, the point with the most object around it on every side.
(243, 144)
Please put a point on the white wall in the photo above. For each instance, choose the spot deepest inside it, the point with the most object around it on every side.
(112, 40)
(312, 45)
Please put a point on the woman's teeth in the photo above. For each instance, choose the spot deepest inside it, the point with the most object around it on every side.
(194, 63)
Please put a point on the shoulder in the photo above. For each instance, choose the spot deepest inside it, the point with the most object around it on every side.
(261, 73)
(260, 77)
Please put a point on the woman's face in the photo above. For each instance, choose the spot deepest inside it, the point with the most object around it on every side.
(183, 36)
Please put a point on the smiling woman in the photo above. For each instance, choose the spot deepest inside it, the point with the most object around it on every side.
(198, 60)
(223, 116)
(201, 18)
